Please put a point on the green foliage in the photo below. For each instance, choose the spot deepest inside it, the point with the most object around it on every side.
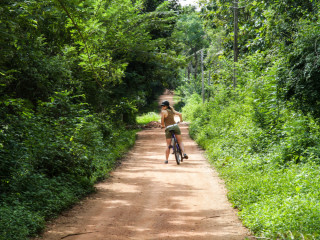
(191, 38)
(300, 79)
(262, 135)
(72, 75)
(36, 198)
(17, 222)
(270, 175)
(276, 201)
(153, 62)
(189, 31)
(264, 146)
(29, 69)
(52, 158)
(262, 24)
(56, 45)
(148, 117)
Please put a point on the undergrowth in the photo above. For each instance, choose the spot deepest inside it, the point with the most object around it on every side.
(51, 158)
(148, 117)
(271, 170)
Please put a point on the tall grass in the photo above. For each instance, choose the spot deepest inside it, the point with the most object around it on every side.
(148, 117)
(272, 176)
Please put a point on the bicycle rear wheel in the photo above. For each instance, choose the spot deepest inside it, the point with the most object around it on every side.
(177, 152)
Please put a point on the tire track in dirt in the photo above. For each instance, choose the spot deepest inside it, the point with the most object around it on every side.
(147, 199)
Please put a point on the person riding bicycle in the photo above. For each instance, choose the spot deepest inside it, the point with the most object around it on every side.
(167, 121)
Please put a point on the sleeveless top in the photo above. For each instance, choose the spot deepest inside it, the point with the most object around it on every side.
(169, 120)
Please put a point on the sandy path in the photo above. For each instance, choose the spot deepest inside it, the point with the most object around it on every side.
(147, 199)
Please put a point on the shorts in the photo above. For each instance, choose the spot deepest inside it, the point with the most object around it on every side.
(176, 131)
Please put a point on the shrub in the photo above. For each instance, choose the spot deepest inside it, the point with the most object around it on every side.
(51, 158)
(148, 117)
(270, 172)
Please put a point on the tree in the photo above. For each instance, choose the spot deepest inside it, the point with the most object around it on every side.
(190, 34)
(299, 80)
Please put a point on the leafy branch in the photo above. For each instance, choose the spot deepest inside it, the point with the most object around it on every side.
(83, 39)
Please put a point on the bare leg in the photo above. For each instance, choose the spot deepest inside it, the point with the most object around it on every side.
(168, 149)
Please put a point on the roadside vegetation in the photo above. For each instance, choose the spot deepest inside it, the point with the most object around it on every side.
(262, 131)
(148, 117)
(73, 75)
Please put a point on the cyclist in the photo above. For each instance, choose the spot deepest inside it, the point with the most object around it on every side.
(167, 121)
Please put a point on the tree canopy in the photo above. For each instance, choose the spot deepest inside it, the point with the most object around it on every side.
(262, 135)
(75, 74)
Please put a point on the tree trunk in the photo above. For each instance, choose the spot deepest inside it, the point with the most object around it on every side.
(235, 43)
(209, 84)
(196, 66)
(202, 77)
(189, 71)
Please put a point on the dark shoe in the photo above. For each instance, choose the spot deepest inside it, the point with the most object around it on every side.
(166, 162)
(185, 156)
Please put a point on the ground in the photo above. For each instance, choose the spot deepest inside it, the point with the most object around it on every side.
(147, 199)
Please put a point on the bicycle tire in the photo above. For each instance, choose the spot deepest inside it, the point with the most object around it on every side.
(177, 152)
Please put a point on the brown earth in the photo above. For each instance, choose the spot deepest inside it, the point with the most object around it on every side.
(147, 199)
(153, 124)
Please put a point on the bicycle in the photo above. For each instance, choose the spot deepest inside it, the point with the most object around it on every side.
(176, 147)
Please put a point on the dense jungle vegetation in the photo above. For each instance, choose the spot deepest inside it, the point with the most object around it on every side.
(261, 129)
(75, 74)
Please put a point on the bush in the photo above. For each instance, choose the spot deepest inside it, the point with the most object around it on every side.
(51, 158)
(17, 222)
(274, 201)
(148, 117)
(300, 78)
(270, 172)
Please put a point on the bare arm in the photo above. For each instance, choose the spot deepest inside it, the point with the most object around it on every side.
(179, 114)
(163, 115)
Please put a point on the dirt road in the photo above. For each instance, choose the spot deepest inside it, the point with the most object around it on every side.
(147, 199)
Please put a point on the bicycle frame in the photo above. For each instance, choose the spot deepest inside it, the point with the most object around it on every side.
(176, 148)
